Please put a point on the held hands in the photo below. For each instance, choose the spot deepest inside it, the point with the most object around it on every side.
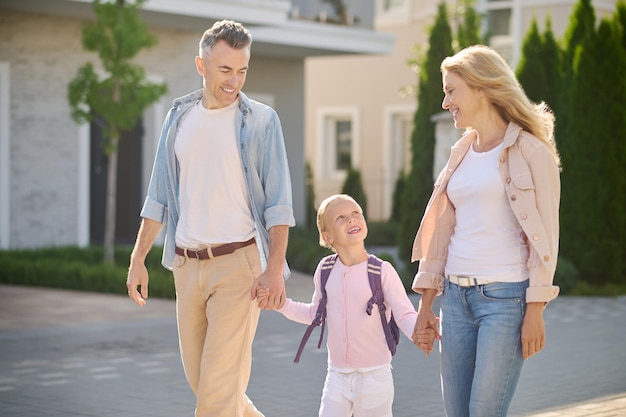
(424, 339)
(269, 291)
(262, 296)
(426, 330)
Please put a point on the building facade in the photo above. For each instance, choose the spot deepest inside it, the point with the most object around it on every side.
(363, 115)
(50, 166)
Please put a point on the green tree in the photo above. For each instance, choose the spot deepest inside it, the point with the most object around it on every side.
(620, 21)
(575, 162)
(581, 26)
(594, 181)
(353, 186)
(398, 193)
(551, 58)
(531, 71)
(121, 95)
(539, 69)
(419, 183)
(311, 212)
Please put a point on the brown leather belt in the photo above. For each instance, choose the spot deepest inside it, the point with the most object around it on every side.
(208, 253)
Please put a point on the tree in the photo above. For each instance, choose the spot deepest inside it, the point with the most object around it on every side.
(419, 183)
(594, 180)
(311, 212)
(539, 69)
(122, 94)
(531, 72)
(353, 186)
(551, 58)
(581, 27)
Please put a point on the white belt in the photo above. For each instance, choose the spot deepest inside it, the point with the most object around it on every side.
(465, 281)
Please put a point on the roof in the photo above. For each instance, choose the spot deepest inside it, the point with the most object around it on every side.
(274, 32)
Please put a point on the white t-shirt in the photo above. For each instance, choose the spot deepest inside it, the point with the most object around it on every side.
(488, 242)
(214, 205)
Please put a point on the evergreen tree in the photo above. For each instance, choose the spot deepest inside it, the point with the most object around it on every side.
(353, 186)
(620, 21)
(419, 183)
(398, 192)
(531, 71)
(573, 158)
(581, 26)
(311, 212)
(594, 184)
(119, 99)
(551, 59)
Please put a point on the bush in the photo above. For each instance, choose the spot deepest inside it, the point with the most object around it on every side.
(381, 234)
(81, 269)
(567, 276)
(304, 251)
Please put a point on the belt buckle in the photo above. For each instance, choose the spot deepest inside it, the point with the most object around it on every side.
(465, 281)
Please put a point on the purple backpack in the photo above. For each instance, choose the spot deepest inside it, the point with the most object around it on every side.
(392, 333)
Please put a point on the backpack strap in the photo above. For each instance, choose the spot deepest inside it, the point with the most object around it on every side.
(320, 316)
(392, 333)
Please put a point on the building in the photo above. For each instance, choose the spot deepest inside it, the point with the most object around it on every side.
(363, 115)
(51, 168)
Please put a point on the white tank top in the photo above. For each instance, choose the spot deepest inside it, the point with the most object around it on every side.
(214, 205)
(488, 242)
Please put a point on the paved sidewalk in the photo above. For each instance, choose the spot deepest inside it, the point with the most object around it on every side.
(66, 353)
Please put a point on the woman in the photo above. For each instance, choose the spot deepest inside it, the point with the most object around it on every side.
(488, 240)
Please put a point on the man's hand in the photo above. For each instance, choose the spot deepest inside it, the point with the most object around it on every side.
(275, 283)
(137, 272)
(137, 278)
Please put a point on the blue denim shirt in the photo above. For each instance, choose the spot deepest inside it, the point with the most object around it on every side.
(264, 162)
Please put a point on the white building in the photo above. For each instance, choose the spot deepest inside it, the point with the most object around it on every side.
(51, 188)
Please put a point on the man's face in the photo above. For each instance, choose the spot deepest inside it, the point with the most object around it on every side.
(223, 72)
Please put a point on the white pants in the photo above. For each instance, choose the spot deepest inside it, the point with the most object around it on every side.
(362, 394)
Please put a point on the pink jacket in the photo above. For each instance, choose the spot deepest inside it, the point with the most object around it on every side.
(533, 187)
(355, 340)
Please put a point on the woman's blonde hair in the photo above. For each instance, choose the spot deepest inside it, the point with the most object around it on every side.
(482, 67)
(321, 212)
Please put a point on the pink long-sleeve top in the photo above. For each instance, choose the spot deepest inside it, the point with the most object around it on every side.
(355, 340)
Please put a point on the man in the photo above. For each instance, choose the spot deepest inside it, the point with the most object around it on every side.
(220, 185)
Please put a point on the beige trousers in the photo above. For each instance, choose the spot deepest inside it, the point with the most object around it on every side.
(217, 322)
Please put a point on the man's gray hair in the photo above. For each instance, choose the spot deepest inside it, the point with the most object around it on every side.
(234, 33)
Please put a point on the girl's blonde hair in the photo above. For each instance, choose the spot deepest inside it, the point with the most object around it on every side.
(482, 67)
(321, 212)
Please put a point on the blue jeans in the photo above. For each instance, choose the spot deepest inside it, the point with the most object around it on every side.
(481, 351)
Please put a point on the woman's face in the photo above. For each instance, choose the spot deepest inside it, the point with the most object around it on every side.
(460, 99)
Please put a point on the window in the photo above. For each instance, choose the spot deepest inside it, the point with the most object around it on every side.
(396, 151)
(343, 144)
(500, 25)
(392, 12)
(499, 22)
(393, 5)
(337, 143)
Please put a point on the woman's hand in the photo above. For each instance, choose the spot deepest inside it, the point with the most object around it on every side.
(533, 330)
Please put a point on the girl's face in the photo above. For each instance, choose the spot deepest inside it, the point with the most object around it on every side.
(344, 224)
(460, 99)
